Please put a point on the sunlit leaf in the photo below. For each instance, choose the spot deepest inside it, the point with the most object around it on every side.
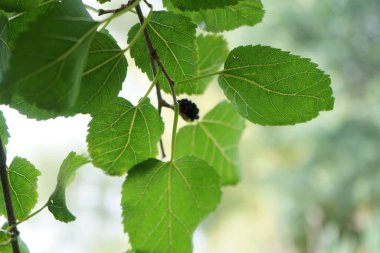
(123, 135)
(4, 135)
(163, 203)
(5, 245)
(57, 202)
(215, 139)
(23, 178)
(272, 87)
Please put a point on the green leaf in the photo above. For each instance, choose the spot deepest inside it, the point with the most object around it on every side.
(4, 47)
(272, 87)
(31, 111)
(4, 135)
(215, 139)
(18, 6)
(103, 1)
(23, 178)
(163, 203)
(212, 53)
(5, 238)
(104, 74)
(173, 36)
(57, 201)
(47, 63)
(122, 135)
(195, 5)
(246, 12)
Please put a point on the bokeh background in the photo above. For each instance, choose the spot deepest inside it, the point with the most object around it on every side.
(310, 188)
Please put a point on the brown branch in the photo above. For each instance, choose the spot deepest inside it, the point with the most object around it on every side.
(155, 60)
(113, 11)
(8, 200)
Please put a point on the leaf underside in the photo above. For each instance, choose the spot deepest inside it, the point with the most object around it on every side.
(163, 203)
(57, 201)
(272, 87)
(123, 135)
(195, 5)
(215, 139)
(173, 37)
(23, 178)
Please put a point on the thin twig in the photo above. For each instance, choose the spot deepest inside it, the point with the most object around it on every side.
(121, 8)
(8, 200)
(154, 59)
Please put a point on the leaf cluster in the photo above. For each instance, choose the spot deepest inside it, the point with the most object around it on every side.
(56, 60)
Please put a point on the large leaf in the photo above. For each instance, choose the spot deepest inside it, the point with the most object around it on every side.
(4, 47)
(215, 139)
(272, 87)
(163, 203)
(212, 53)
(18, 6)
(104, 74)
(47, 63)
(121, 135)
(4, 135)
(23, 178)
(173, 36)
(57, 202)
(245, 12)
(194, 5)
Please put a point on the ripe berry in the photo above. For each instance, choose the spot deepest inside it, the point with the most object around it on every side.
(188, 110)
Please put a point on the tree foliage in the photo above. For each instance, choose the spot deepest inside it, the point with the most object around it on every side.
(57, 61)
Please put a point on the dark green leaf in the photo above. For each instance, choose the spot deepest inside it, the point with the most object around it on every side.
(122, 135)
(23, 178)
(47, 63)
(4, 46)
(173, 36)
(272, 87)
(18, 6)
(31, 111)
(104, 74)
(194, 5)
(57, 202)
(163, 203)
(215, 139)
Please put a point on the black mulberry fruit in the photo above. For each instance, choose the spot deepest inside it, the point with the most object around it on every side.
(188, 110)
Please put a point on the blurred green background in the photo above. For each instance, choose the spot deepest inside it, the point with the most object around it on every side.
(310, 188)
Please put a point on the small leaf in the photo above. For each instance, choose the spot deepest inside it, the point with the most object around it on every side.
(104, 74)
(215, 139)
(4, 135)
(57, 202)
(122, 135)
(272, 87)
(163, 203)
(212, 53)
(246, 12)
(47, 63)
(6, 246)
(173, 36)
(195, 5)
(23, 178)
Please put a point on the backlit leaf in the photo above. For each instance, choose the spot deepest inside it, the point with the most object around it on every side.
(123, 135)
(215, 139)
(163, 203)
(194, 5)
(23, 178)
(272, 87)
(173, 36)
(57, 202)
